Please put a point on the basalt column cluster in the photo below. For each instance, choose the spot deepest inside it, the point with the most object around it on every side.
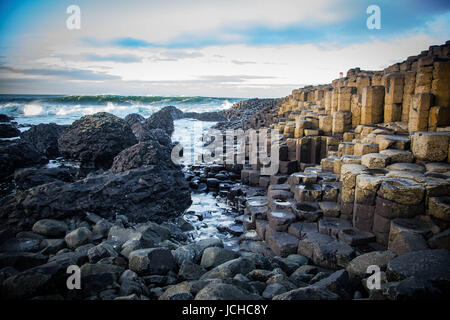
(364, 165)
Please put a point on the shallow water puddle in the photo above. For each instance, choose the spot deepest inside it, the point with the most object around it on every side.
(212, 219)
(210, 216)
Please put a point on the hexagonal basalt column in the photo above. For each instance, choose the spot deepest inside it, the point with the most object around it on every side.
(332, 226)
(302, 177)
(308, 211)
(355, 237)
(402, 191)
(439, 207)
(308, 192)
(278, 204)
(431, 146)
(398, 155)
(375, 160)
(280, 220)
(282, 243)
(361, 149)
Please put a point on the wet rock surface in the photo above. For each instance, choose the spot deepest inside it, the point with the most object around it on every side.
(352, 195)
(18, 154)
(44, 137)
(147, 193)
(31, 177)
(8, 130)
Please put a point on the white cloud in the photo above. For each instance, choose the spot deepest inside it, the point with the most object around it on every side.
(440, 25)
(213, 71)
(184, 20)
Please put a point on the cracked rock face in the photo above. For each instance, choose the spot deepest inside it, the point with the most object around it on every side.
(143, 154)
(402, 191)
(163, 119)
(44, 137)
(18, 154)
(96, 139)
(143, 194)
(8, 130)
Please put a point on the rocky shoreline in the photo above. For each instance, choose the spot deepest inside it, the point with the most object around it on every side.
(116, 213)
(356, 188)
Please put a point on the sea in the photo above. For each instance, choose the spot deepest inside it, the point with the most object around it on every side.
(35, 109)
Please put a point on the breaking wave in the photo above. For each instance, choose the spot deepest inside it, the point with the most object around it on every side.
(33, 109)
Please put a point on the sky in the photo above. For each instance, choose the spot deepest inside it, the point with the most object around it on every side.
(232, 48)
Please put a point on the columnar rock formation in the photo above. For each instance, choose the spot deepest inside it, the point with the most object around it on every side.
(364, 165)
(363, 181)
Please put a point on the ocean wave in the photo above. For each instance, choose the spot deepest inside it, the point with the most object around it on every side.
(130, 100)
(30, 110)
(33, 109)
(10, 108)
(226, 105)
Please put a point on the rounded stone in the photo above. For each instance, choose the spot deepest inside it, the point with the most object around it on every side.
(214, 256)
(50, 227)
(78, 237)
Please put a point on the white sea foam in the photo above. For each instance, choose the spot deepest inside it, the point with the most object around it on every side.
(66, 111)
(9, 139)
(32, 110)
(226, 105)
(8, 105)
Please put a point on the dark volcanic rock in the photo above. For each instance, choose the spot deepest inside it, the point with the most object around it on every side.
(20, 245)
(430, 265)
(21, 260)
(308, 293)
(44, 137)
(140, 132)
(98, 277)
(205, 116)
(132, 118)
(5, 118)
(223, 291)
(151, 261)
(40, 280)
(144, 134)
(159, 135)
(190, 271)
(96, 139)
(32, 177)
(194, 251)
(338, 282)
(5, 234)
(143, 154)
(18, 154)
(214, 256)
(248, 114)
(50, 228)
(163, 119)
(408, 289)
(143, 194)
(230, 268)
(103, 250)
(7, 130)
(78, 237)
